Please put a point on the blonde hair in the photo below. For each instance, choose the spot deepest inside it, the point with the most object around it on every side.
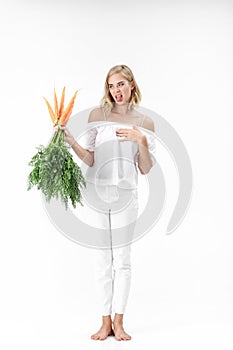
(107, 101)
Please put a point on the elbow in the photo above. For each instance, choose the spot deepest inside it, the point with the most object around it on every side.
(89, 159)
(90, 162)
(145, 171)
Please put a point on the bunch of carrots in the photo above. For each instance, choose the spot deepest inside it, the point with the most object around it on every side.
(60, 116)
(54, 171)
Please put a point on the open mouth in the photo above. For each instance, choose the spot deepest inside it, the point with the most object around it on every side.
(119, 98)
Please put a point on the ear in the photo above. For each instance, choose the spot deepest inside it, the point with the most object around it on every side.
(132, 85)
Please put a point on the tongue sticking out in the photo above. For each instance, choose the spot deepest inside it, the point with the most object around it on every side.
(119, 98)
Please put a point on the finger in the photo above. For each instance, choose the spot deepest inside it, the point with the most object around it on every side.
(55, 128)
(123, 130)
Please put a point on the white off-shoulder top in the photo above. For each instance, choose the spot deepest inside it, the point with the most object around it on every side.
(115, 161)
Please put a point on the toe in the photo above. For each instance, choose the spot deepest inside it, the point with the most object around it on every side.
(117, 337)
(95, 336)
(127, 337)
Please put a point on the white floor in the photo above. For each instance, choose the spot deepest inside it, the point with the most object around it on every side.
(151, 333)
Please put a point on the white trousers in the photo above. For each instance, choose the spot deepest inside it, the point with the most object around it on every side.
(112, 279)
(116, 212)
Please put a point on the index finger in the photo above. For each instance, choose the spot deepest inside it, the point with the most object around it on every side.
(122, 130)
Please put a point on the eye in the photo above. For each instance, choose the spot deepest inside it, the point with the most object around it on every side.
(121, 84)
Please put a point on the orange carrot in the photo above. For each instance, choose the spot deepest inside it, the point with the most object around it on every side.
(52, 115)
(67, 112)
(62, 103)
(55, 104)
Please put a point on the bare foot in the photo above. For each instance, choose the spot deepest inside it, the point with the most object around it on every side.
(103, 333)
(119, 331)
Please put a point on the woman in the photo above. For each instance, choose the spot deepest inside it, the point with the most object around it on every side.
(116, 145)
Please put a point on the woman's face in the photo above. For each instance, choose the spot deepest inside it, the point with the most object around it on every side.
(120, 88)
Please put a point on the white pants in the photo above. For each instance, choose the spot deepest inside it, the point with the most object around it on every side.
(116, 213)
(112, 279)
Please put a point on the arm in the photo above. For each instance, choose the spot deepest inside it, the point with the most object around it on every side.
(84, 154)
(144, 158)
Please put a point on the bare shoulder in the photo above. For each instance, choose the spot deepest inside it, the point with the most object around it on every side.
(148, 123)
(96, 115)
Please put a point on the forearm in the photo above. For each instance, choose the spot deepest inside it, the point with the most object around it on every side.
(83, 154)
(144, 158)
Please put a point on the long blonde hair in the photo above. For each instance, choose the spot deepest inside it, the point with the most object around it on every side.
(107, 101)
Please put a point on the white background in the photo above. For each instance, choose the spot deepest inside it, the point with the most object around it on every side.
(181, 55)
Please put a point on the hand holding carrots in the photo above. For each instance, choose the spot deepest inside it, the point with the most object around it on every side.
(67, 135)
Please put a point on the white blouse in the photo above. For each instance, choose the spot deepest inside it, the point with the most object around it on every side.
(115, 161)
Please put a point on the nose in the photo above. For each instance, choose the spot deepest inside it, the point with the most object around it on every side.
(117, 89)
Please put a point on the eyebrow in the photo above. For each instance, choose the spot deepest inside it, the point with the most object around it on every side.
(122, 81)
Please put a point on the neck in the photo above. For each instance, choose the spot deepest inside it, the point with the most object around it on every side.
(121, 109)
